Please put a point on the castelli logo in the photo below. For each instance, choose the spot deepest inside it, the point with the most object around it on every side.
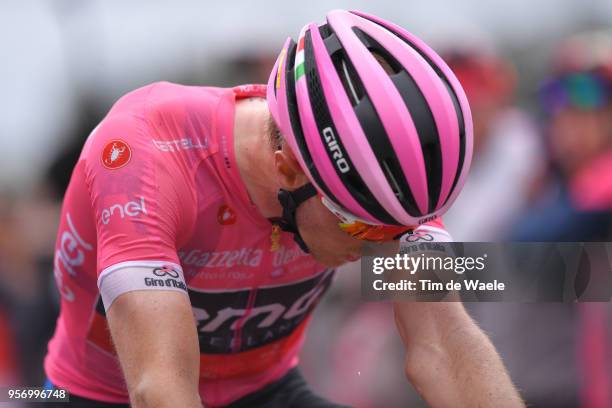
(226, 215)
(116, 154)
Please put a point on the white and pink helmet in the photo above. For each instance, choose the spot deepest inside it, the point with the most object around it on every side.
(376, 119)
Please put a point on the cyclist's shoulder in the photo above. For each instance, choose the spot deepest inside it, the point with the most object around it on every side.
(160, 108)
(160, 98)
(166, 94)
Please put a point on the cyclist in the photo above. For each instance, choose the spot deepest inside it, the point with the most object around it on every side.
(201, 226)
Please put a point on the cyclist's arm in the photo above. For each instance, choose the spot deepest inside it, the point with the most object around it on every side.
(144, 208)
(449, 360)
(155, 338)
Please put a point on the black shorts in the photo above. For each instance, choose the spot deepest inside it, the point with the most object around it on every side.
(291, 391)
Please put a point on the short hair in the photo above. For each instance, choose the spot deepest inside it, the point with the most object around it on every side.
(275, 138)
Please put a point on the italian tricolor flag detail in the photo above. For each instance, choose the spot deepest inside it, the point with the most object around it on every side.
(299, 60)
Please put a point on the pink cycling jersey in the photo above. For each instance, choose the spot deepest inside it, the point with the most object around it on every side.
(156, 202)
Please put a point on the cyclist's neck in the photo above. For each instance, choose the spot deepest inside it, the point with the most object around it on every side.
(255, 156)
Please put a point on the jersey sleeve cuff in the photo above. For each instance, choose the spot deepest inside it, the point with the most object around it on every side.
(426, 233)
(139, 275)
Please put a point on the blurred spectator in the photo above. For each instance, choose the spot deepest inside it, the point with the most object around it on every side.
(575, 201)
(506, 147)
(578, 98)
(26, 238)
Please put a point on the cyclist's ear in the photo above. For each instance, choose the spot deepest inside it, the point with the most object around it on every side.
(289, 173)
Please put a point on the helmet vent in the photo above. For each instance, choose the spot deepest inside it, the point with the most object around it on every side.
(380, 53)
(348, 77)
(452, 94)
(391, 178)
(419, 110)
(350, 177)
(349, 84)
(325, 31)
(384, 63)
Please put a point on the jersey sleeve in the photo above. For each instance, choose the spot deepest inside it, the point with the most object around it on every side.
(143, 206)
(418, 241)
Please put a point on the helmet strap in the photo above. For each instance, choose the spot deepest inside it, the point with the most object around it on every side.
(290, 201)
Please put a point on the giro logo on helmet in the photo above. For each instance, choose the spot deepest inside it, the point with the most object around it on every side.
(116, 154)
(334, 149)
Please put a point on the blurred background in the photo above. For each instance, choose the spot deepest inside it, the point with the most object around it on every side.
(539, 79)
